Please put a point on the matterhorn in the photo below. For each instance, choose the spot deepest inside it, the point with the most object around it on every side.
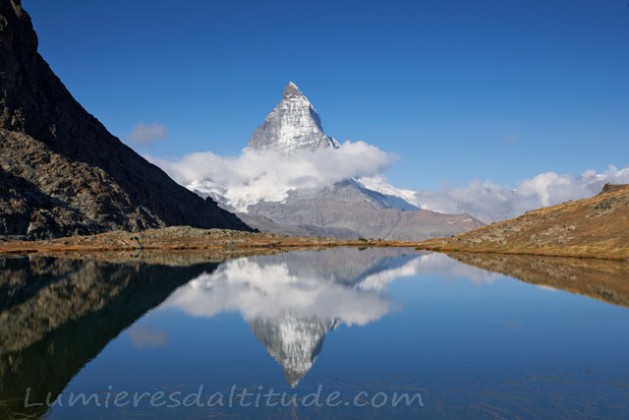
(352, 208)
(293, 125)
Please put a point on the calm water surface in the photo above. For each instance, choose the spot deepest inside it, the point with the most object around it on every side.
(346, 333)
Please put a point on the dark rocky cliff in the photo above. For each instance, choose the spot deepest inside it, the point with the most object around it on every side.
(61, 171)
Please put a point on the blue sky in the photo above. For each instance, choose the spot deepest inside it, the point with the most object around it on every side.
(460, 90)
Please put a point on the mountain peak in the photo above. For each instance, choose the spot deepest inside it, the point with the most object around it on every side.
(293, 341)
(292, 91)
(292, 126)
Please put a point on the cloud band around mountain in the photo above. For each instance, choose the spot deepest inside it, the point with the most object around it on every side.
(258, 175)
(267, 175)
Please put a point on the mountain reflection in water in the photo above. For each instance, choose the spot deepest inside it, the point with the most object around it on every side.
(56, 315)
(291, 301)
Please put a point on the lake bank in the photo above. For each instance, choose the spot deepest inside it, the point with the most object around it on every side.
(183, 238)
(236, 243)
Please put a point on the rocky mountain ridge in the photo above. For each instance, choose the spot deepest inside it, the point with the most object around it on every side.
(349, 211)
(292, 126)
(61, 172)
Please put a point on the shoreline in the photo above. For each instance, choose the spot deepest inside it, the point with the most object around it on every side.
(526, 253)
(227, 242)
(186, 239)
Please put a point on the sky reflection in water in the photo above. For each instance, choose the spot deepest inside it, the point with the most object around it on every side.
(472, 342)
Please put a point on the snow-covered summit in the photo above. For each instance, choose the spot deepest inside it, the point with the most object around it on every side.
(292, 91)
(292, 129)
(293, 341)
(292, 126)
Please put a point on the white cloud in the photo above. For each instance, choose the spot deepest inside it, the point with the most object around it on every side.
(268, 175)
(143, 134)
(313, 284)
(491, 202)
(257, 175)
(270, 290)
(429, 264)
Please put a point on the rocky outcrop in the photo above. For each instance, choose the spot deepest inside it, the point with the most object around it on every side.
(61, 171)
(607, 188)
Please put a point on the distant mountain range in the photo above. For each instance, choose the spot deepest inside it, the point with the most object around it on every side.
(61, 171)
(352, 208)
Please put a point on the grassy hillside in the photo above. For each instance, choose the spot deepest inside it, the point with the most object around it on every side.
(595, 227)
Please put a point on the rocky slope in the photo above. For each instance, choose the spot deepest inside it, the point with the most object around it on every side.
(349, 211)
(61, 171)
(593, 227)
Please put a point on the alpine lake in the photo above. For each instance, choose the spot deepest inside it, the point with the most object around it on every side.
(333, 334)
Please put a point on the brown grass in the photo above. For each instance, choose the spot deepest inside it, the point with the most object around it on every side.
(596, 227)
